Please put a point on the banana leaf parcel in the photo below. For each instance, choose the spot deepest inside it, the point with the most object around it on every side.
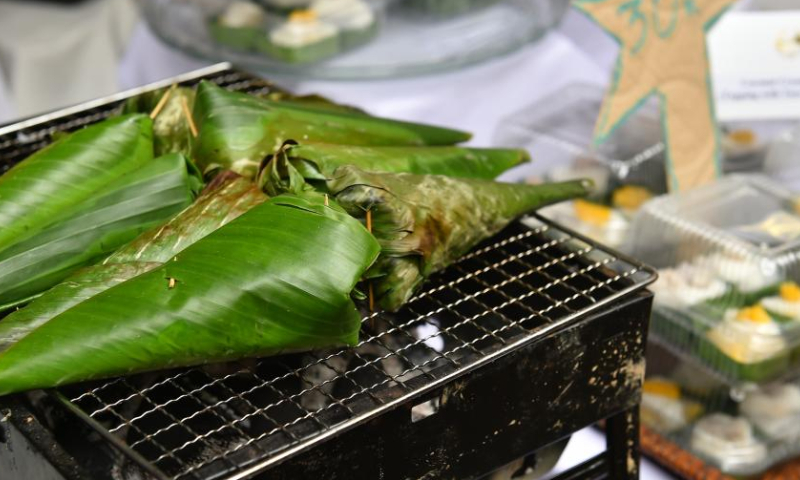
(79, 199)
(171, 131)
(426, 222)
(237, 131)
(317, 161)
(278, 278)
(224, 199)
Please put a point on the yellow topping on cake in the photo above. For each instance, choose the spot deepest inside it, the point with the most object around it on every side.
(743, 137)
(755, 314)
(790, 292)
(662, 388)
(630, 197)
(693, 410)
(592, 213)
(303, 16)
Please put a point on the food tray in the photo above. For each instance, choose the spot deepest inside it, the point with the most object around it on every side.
(680, 401)
(558, 131)
(237, 420)
(405, 42)
(727, 256)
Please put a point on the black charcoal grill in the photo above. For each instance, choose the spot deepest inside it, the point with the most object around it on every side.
(534, 335)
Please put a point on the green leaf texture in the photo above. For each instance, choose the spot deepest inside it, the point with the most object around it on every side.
(122, 209)
(317, 161)
(42, 188)
(426, 222)
(278, 278)
(237, 131)
(224, 199)
(171, 133)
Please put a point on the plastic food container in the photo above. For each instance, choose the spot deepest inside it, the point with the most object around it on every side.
(628, 168)
(728, 290)
(350, 39)
(743, 430)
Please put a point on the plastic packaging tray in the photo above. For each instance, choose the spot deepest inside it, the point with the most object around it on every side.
(742, 430)
(728, 290)
(558, 132)
(406, 37)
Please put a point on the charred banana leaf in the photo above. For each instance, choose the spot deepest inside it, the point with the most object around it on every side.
(237, 131)
(278, 278)
(426, 222)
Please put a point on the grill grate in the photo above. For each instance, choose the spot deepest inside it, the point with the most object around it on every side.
(233, 420)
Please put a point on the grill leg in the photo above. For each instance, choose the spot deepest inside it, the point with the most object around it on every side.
(622, 439)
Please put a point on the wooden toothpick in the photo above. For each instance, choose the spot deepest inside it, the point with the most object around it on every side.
(188, 113)
(326, 199)
(161, 102)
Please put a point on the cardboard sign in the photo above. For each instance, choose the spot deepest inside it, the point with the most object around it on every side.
(755, 64)
(663, 53)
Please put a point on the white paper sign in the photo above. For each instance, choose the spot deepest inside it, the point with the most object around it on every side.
(755, 65)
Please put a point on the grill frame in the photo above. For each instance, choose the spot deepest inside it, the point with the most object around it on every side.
(32, 134)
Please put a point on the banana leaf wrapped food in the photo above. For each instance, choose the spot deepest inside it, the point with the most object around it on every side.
(224, 199)
(278, 278)
(237, 131)
(423, 222)
(77, 200)
(317, 161)
(171, 130)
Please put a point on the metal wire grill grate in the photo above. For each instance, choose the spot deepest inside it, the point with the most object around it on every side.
(230, 421)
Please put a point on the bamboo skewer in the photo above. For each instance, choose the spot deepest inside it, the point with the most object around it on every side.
(188, 113)
(161, 103)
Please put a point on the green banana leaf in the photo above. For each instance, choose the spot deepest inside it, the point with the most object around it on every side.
(313, 100)
(224, 199)
(121, 210)
(278, 278)
(237, 131)
(317, 161)
(41, 188)
(171, 132)
(426, 222)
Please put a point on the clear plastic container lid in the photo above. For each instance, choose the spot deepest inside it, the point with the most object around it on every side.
(728, 289)
(351, 39)
(742, 429)
(627, 170)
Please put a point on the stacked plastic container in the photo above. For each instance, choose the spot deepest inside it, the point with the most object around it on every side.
(727, 302)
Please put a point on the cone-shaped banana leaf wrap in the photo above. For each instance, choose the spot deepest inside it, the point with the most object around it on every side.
(41, 188)
(171, 132)
(426, 222)
(237, 131)
(91, 230)
(278, 278)
(224, 199)
(317, 161)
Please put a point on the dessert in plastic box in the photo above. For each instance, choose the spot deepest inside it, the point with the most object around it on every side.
(627, 169)
(742, 429)
(558, 131)
(728, 270)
